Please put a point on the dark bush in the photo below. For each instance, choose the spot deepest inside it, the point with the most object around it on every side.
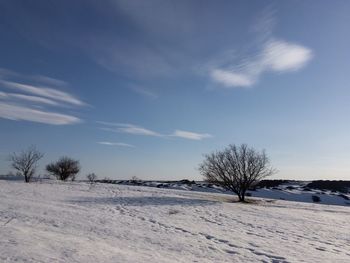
(316, 198)
(64, 168)
(344, 196)
(334, 186)
(276, 188)
(271, 183)
(91, 177)
(306, 189)
(186, 181)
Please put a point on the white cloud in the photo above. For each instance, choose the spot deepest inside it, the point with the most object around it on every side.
(117, 144)
(27, 98)
(132, 129)
(284, 56)
(44, 92)
(18, 112)
(138, 130)
(129, 128)
(276, 56)
(31, 101)
(190, 135)
(231, 79)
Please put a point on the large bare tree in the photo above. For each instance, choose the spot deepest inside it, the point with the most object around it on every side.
(236, 168)
(26, 161)
(64, 168)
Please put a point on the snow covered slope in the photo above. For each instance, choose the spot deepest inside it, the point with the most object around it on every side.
(73, 222)
(292, 191)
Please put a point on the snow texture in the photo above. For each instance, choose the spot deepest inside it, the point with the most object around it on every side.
(293, 191)
(76, 222)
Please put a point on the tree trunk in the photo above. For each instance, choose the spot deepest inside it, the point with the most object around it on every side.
(240, 197)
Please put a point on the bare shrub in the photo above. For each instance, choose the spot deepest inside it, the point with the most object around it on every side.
(26, 161)
(64, 168)
(236, 168)
(91, 177)
(135, 180)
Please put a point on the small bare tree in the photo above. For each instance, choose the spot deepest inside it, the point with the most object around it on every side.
(236, 168)
(134, 179)
(92, 177)
(25, 162)
(64, 168)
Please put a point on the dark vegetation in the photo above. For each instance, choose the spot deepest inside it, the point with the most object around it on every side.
(270, 183)
(64, 168)
(25, 162)
(316, 199)
(236, 168)
(335, 186)
(91, 177)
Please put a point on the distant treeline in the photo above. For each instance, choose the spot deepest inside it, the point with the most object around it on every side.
(331, 185)
(271, 183)
(340, 186)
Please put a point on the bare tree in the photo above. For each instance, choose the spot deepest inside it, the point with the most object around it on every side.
(64, 168)
(236, 168)
(25, 162)
(135, 179)
(91, 177)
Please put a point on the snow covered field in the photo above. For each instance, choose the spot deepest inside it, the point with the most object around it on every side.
(73, 222)
(292, 191)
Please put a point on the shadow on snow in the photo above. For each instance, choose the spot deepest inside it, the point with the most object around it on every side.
(143, 201)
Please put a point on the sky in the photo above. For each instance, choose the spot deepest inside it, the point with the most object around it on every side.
(145, 88)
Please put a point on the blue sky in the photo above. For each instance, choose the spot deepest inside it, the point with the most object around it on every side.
(145, 88)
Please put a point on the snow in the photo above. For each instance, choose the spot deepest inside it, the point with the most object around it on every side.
(294, 191)
(76, 222)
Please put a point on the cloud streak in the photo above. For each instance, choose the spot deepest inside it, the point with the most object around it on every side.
(139, 130)
(144, 91)
(128, 128)
(191, 135)
(121, 144)
(5, 95)
(276, 56)
(23, 113)
(33, 101)
(43, 92)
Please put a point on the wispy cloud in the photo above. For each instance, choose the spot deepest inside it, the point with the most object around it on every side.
(31, 104)
(5, 95)
(129, 128)
(276, 56)
(191, 135)
(18, 112)
(121, 144)
(50, 81)
(228, 78)
(44, 92)
(144, 91)
(138, 130)
(266, 53)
